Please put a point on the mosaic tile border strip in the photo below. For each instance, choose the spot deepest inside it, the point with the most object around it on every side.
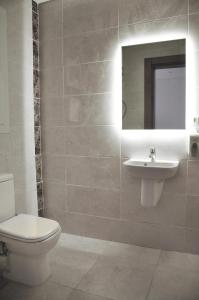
(37, 123)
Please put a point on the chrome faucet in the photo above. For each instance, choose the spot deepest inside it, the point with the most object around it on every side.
(152, 154)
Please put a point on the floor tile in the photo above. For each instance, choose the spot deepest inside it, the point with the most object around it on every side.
(184, 261)
(174, 283)
(47, 291)
(134, 255)
(116, 279)
(70, 266)
(79, 295)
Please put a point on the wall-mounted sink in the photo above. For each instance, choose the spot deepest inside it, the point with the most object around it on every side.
(157, 169)
(152, 173)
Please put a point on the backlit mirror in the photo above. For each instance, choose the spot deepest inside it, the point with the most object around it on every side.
(153, 85)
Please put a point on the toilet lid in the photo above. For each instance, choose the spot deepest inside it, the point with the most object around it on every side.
(29, 228)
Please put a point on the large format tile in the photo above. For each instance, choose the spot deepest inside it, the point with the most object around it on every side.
(170, 210)
(88, 78)
(47, 291)
(88, 110)
(93, 172)
(132, 255)
(50, 53)
(92, 226)
(193, 6)
(92, 15)
(92, 141)
(54, 168)
(179, 25)
(177, 184)
(152, 235)
(193, 29)
(184, 261)
(192, 179)
(117, 280)
(55, 199)
(50, 20)
(141, 10)
(98, 202)
(90, 47)
(79, 295)
(70, 266)
(52, 82)
(192, 240)
(79, 243)
(175, 284)
(52, 111)
(53, 142)
(192, 212)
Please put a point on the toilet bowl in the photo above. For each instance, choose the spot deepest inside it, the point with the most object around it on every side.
(28, 239)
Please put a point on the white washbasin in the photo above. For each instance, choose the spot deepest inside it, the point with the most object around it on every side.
(156, 170)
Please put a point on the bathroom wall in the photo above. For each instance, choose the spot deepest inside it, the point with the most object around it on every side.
(17, 146)
(86, 187)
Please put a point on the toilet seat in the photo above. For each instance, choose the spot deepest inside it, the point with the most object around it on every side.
(28, 228)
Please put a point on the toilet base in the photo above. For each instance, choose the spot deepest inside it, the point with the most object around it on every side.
(28, 270)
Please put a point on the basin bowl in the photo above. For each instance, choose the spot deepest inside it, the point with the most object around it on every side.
(155, 170)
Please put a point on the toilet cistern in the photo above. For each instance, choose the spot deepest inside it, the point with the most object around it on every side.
(152, 154)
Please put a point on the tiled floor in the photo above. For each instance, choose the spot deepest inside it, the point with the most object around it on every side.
(90, 269)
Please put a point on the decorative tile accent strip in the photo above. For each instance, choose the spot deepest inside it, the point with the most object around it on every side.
(36, 86)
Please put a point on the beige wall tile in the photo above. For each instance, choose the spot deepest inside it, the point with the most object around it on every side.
(55, 196)
(90, 47)
(192, 241)
(52, 82)
(92, 141)
(98, 202)
(179, 25)
(93, 172)
(192, 219)
(50, 52)
(88, 78)
(171, 209)
(72, 133)
(141, 10)
(192, 180)
(50, 20)
(153, 235)
(92, 226)
(193, 6)
(92, 15)
(52, 111)
(54, 168)
(177, 184)
(88, 110)
(53, 140)
(194, 29)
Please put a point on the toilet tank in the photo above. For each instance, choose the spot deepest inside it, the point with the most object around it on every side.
(7, 198)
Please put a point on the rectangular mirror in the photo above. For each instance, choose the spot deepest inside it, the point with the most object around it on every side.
(153, 85)
(4, 101)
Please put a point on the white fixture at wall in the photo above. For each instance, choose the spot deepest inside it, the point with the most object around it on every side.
(152, 174)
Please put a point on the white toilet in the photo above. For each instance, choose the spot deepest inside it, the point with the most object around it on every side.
(28, 239)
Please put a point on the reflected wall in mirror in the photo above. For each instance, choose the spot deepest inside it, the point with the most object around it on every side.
(153, 85)
(4, 102)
